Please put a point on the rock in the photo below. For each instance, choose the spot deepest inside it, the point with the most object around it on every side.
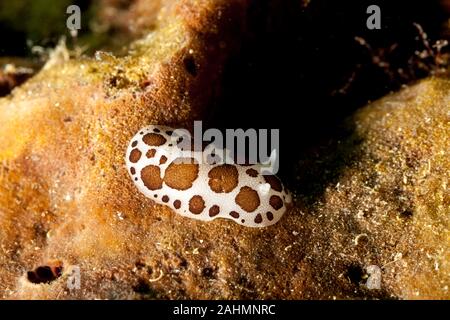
(372, 209)
(63, 138)
(382, 199)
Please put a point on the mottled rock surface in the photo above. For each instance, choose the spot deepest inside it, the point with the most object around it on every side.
(380, 197)
(374, 200)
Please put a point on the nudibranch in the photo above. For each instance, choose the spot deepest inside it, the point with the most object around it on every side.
(203, 190)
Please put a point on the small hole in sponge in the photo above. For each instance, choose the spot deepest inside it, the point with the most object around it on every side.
(46, 273)
(355, 274)
(190, 65)
(406, 214)
(208, 273)
(143, 288)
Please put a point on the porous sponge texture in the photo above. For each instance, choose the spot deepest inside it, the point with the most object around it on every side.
(66, 199)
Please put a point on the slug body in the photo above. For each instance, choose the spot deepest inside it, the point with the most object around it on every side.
(179, 178)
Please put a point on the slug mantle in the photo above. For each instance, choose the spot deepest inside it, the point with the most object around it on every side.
(170, 175)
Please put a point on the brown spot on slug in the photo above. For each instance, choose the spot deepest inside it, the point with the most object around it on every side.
(248, 199)
(223, 178)
(214, 211)
(275, 184)
(252, 172)
(269, 215)
(153, 139)
(165, 198)
(196, 204)
(258, 218)
(163, 160)
(135, 155)
(234, 214)
(181, 176)
(151, 177)
(133, 170)
(134, 144)
(276, 202)
(177, 204)
(151, 153)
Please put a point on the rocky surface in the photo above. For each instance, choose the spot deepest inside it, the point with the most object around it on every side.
(382, 198)
(371, 205)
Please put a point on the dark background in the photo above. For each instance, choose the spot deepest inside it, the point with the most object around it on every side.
(296, 75)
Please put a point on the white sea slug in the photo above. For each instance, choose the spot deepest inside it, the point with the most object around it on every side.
(196, 189)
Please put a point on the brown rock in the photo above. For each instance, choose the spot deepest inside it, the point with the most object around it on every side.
(377, 199)
(64, 192)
